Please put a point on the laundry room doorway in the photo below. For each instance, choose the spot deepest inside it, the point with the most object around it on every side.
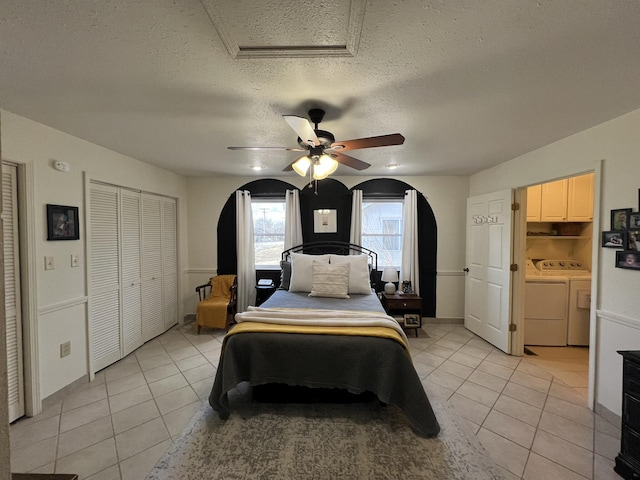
(557, 248)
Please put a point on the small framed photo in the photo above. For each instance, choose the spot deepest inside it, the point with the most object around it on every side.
(626, 259)
(613, 239)
(62, 223)
(634, 220)
(620, 218)
(411, 320)
(632, 240)
(325, 221)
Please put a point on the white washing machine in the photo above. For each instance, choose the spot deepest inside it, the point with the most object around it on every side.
(579, 300)
(545, 307)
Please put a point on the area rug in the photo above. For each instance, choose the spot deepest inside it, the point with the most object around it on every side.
(320, 441)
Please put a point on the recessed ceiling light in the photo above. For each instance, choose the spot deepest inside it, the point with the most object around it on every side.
(392, 166)
(256, 167)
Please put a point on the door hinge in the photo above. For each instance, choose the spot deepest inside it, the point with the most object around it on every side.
(515, 206)
(514, 267)
(512, 327)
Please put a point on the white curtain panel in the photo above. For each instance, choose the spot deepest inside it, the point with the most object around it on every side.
(245, 248)
(409, 269)
(355, 232)
(292, 220)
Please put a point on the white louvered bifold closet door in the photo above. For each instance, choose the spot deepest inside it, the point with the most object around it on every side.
(12, 291)
(169, 263)
(104, 277)
(152, 306)
(130, 253)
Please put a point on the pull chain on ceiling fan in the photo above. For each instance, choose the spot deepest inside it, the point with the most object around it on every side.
(324, 153)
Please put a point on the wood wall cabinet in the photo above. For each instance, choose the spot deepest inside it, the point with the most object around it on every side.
(580, 198)
(132, 270)
(566, 200)
(628, 460)
(534, 201)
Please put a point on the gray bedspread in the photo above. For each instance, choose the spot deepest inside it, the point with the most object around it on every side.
(355, 363)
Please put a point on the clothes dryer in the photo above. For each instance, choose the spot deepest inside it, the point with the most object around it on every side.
(579, 299)
(545, 308)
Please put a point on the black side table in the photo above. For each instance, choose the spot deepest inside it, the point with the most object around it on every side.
(263, 292)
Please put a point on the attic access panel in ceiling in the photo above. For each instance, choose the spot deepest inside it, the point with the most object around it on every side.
(280, 28)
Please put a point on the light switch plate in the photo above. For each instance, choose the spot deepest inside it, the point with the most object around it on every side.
(48, 263)
(74, 260)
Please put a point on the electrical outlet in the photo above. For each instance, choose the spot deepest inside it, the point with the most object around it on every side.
(48, 263)
(65, 349)
(74, 260)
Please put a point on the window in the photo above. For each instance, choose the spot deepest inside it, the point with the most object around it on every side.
(382, 230)
(268, 231)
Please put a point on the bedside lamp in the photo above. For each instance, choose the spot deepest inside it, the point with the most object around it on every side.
(389, 275)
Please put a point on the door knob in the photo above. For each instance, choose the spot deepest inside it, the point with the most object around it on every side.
(465, 270)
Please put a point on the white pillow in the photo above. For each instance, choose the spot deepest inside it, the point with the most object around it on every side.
(301, 274)
(330, 280)
(359, 272)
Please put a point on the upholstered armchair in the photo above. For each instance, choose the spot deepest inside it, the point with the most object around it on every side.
(217, 302)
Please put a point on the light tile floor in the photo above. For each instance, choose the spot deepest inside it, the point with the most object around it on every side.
(528, 412)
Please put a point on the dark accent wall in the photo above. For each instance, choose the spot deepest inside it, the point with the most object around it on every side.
(227, 251)
(333, 194)
(427, 235)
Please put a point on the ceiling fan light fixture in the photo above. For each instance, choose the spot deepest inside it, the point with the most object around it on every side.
(323, 167)
(301, 166)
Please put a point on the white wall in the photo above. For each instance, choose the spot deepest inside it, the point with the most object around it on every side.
(616, 146)
(446, 195)
(61, 293)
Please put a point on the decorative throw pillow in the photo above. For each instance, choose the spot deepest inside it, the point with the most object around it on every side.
(301, 271)
(359, 283)
(285, 275)
(330, 280)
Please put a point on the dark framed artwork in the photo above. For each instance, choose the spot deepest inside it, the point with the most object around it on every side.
(620, 218)
(62, 222)
(613, 239)
(632, 240)
(411, 320)
(634, 220)
(626, 259)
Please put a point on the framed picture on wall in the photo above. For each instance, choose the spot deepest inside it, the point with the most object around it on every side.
(632, 240)
(620, 218)
(613, 239)
(626, 259)
(634, 220)
(325, 221)
(62, 223)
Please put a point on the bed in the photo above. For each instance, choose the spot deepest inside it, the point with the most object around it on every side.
(324, 338)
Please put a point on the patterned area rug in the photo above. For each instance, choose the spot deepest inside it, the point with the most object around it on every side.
(345, 441)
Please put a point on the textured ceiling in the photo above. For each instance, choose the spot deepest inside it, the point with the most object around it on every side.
(470, 84)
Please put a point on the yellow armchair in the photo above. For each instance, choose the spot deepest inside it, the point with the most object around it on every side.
(217, 302)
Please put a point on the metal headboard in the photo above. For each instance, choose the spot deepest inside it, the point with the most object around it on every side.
(334, 247)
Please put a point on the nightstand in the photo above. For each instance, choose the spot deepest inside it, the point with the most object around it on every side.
(408, 305)
(264, 289)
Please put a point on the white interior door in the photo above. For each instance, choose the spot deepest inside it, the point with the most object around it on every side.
(152, 306)
(169, 262)
(488, 281)
(13, 319)
(104, 277)
(131, 259)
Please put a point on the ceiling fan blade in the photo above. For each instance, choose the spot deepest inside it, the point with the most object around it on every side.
(303, 128)
(358, 143)
(349, 161)
(289, 149)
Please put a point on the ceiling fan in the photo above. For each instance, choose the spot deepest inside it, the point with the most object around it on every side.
(324, 152)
